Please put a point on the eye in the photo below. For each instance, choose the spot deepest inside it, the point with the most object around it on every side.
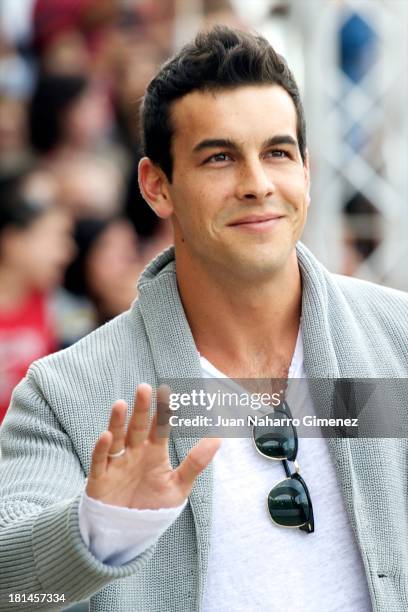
(218, 157)
(278, 153)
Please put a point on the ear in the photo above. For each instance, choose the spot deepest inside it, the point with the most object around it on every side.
(153, 185)
(306, 168)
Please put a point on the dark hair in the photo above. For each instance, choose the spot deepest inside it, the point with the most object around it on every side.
(86, 233)
(16, 210)
(220, 58)
(52, 95)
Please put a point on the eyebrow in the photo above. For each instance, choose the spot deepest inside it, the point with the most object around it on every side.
(221, 143)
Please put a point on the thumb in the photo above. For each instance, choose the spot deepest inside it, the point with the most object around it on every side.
(196, 461)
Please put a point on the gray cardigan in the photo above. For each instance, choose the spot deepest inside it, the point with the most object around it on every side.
(351, 328)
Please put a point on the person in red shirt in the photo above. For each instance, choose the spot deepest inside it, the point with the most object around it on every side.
(35, 248)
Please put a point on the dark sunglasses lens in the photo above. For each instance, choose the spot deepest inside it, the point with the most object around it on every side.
(288, 504)
(278, 442)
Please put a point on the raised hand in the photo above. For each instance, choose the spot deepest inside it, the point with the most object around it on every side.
(142, 477)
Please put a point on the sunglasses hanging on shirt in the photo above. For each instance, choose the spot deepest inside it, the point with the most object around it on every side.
(289, 502)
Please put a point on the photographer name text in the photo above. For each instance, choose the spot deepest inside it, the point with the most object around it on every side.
(259, 421)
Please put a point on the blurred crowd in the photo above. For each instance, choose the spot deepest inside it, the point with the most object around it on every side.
(75, 232)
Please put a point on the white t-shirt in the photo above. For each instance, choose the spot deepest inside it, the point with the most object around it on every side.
(254, 564)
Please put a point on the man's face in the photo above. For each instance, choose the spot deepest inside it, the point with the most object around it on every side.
(239, 192)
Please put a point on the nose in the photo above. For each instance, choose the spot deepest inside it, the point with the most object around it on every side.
(254, 182)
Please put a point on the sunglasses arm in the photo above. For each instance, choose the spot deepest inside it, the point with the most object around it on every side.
(309, 526)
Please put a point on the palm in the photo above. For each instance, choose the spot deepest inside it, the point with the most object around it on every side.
(143, 477)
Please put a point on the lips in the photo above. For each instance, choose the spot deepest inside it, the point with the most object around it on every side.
(255, 219)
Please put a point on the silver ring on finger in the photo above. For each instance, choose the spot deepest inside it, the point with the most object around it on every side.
(118, 454)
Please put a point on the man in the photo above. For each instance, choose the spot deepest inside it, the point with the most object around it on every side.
(226, 160)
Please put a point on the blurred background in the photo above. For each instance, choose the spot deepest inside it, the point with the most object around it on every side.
(74, 230)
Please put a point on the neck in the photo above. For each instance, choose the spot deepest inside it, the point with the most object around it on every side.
(245, 329)
(13, 289)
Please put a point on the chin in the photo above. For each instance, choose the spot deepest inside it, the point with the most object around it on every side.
(265, 259)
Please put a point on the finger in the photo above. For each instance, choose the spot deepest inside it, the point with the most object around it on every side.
(196, 461)
(117, 425)
(160, 427)
(139, 421)
(100, 455)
